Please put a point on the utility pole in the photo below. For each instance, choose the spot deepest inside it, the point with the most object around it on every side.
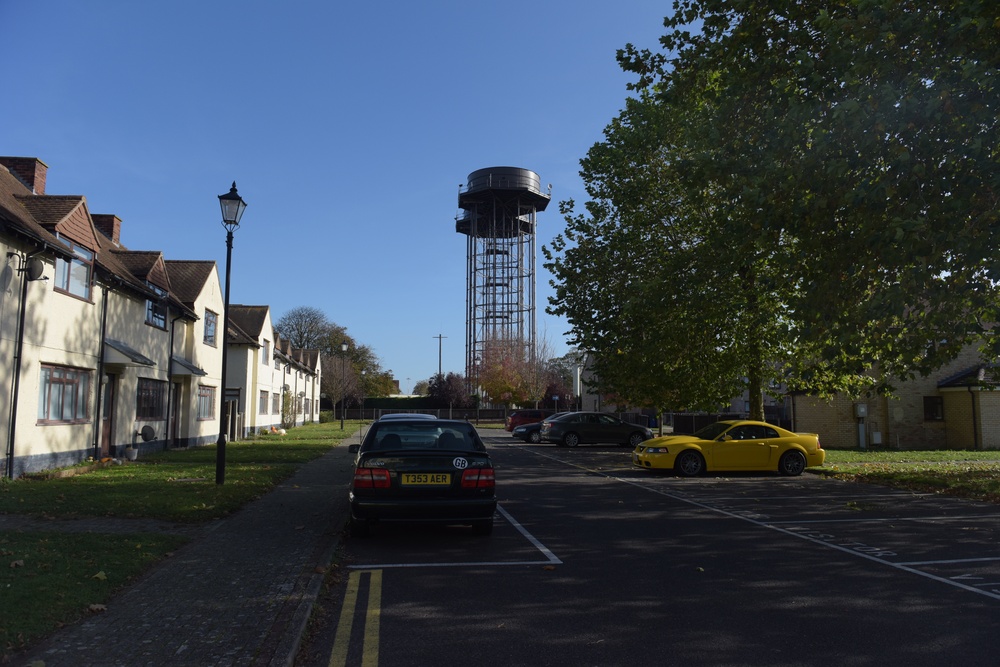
(439, 337)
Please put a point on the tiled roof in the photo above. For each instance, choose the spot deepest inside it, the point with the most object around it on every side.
(15, 218)
(188, 278)
(250, 318)
(983, 375)
(50, 210)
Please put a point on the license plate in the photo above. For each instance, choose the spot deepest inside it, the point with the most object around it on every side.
(426, 479)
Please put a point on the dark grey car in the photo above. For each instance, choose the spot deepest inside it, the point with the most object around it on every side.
(575, 428)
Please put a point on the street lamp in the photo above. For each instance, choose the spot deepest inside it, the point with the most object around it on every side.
(232, 210)
(343, 382)
(364, 375)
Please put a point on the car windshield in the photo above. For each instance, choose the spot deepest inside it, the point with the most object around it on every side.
(422, 435)
(712, 431)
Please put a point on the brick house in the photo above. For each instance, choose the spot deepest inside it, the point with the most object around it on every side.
(954, 408)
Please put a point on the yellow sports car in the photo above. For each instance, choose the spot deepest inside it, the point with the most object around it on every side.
(732, 445)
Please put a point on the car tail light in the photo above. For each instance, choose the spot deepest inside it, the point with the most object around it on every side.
(478, 478)
(371, 478)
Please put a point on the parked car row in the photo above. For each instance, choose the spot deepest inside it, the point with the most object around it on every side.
(416, 469)
(729, 445)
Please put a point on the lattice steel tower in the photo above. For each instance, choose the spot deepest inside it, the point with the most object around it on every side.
(498, 209)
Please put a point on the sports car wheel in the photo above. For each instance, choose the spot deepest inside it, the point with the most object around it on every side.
(534, 437)
(571, 440)
(689, 464)
(792, 463)
(635, 439)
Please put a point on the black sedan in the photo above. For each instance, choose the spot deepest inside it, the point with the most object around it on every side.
(422, 471)
(532, 432)
(574, 428)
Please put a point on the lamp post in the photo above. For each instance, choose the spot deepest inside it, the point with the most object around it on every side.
(361, 431)
(343, 382)
(232, 210)
(364, 375)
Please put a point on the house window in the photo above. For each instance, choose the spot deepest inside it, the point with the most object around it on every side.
(265, 357)
(156, 309)
(262, 409)
(73, 276)
(63, 396)
(211, 322)
(206, 402)
(150, 399)
(933, 408)
(276, 403)
(277, 364)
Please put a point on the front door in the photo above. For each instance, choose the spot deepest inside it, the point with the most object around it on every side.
(107, 415)
(175, 406)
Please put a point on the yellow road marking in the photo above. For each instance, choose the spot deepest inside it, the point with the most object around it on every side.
(342, 639)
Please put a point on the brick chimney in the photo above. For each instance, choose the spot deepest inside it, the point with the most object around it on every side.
(108, 224)
(29, 170)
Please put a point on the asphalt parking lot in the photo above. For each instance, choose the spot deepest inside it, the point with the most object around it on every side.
(948, 540)
(595, 561)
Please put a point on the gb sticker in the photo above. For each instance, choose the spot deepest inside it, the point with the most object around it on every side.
(460, 463)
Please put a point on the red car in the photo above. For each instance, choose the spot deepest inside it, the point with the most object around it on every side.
(519, 417)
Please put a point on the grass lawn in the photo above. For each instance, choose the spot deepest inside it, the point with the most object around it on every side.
(52, 578)
(966, 474)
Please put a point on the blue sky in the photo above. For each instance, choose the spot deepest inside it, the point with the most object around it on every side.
(347, 127)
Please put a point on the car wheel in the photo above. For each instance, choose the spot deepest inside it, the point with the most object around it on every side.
(483, 527)
(792, 463)
(571, 440)
(359, 528)
(689, 464)
(534, 437)
(635, 439)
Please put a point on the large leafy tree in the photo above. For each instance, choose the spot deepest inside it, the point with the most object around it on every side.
(449, 390)
(821, 177)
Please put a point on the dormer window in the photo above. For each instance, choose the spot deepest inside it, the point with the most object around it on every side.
(156, 309)
(73, 276)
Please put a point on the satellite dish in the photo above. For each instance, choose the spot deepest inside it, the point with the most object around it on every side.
(147, 433)
(34, 269)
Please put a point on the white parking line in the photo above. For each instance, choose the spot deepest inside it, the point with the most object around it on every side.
(952, 562)
(770, 525)
(898, 566)
(550, 558)
(895, 518)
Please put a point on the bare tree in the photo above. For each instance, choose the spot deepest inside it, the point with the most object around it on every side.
(305, 327)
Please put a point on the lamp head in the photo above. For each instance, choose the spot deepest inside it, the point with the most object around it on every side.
(232, 208)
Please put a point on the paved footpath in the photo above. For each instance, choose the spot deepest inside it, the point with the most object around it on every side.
(239, 594)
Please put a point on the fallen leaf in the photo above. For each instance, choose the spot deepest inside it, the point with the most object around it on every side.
(701, 569)
(549, 567)
(97, 608)
(100, 575)
(16, 563)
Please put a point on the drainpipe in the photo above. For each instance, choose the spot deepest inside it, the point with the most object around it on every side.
(975, 434)
(99, 399)
(18, 353)
(170, 379)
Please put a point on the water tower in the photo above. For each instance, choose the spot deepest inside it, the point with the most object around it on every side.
(498, 208)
